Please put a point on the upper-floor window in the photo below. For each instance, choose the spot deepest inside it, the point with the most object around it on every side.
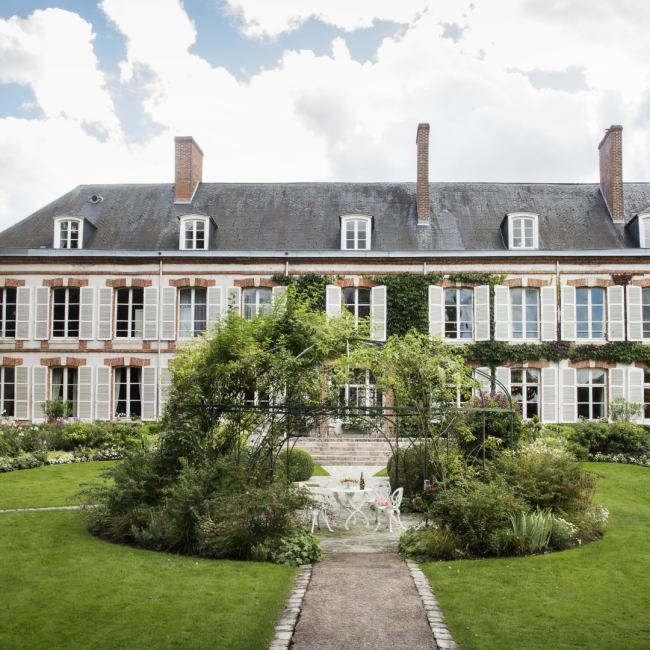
(358, 303)
(355, 233)
(524, 388)
(522, 229)
(7, 313)
(7, 391)
(459, 315)
(591, 393)
(590, 313)
(64, 387)
(646, 312)
(524, 306)
(128, 317)
(128, 392)
(65, 313)
(68, 233)
(646, 394)
(257, 301)
(644, 231)
(193, 312)
(195, 233)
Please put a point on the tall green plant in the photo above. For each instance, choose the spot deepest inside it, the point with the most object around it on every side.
(536, 527)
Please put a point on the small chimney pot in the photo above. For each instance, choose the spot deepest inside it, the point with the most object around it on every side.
(188, 167)
(611, 171)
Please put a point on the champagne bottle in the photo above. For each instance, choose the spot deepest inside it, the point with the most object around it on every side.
(362, 483)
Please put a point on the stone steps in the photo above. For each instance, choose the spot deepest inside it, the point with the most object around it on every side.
(346, 452)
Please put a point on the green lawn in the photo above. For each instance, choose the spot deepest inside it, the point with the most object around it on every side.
(319, 471)
(382, 472)
(64, 589)
(47, 486)
(595, 597)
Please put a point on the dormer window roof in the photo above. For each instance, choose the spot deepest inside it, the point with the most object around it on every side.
(356, 232)
(196, 232)
(521, 230)
(68, 232)
(639, 226)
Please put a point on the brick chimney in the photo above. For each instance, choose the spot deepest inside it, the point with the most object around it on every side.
(189, 168)
(611, 171)
(422, 141)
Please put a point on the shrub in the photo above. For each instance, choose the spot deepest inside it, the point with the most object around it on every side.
(301, 465)
(298, 546)
(6, 465)
(621, 409)
(615, 438)
(26, 462)
(563, 535)
(429, 543)
(535, 528)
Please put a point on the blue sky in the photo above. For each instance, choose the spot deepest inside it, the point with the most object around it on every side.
(299, 90)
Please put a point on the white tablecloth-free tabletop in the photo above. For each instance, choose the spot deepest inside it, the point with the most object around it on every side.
(345, 498)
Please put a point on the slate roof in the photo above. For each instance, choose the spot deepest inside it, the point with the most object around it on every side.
(305, 216)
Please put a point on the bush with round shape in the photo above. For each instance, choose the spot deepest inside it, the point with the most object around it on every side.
(301, 464)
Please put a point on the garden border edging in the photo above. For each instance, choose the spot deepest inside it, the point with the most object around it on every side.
(289, 619)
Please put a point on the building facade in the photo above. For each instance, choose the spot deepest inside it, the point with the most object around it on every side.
(99, 288)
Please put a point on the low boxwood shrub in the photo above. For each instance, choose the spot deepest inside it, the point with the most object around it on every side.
(611, 438)
(301, 464)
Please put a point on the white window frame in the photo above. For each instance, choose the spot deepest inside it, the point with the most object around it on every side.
(130, 319)
(511, 222)
(645, 291)
(128, 390)
(458, 306)
(367, 386)
(590, 386)
(183, 332)
(590, 320)
(57, 232)
(356, 302)
(524, 385)
(258, 307)
(367, 219)
(3, 371)
(194, 218)
(644, 230)
(66, 319)
(524, 322)
(3, 312)
(66, 386)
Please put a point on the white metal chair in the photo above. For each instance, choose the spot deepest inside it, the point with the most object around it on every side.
(392, 509)
(381, 490)
(317, 508)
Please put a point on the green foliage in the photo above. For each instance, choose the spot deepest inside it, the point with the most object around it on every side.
(426, 544)
(24, 462)
(57, 408)
(535, 527)
(309, 286)
(621, 409)
(615, 438)
(301, 465)
(297, 546)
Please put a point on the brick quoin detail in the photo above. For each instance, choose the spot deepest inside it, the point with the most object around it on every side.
(8, 361)
(422, 141)
(137, 282)
(108, 346)
(74, 362)
(116, 361)
(58, 282)
(641, 283)
(146, 345)
(187, 282)
(171, 345)
(45, 345)
(19, 345)
(597, 282)
(83, 345)
(10, 283)
(611, 170)
(188, 168)
(53, 361)
(136, 361)
(116, 284)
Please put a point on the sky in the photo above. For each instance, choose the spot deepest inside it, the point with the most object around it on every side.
(315, 90)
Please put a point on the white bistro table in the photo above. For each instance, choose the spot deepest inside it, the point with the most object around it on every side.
(345, 498)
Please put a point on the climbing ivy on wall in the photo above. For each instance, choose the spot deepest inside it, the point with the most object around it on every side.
(310, 284)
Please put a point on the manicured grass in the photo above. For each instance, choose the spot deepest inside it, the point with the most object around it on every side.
(382, 472)
(595, 597)
(319, 471)
(64, 589)
(43, 487)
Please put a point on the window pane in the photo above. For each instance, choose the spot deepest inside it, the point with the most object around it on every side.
(532, 393)
(200, 235)
(583, 394)
(450, 297)
(264, 300)
(63, 235)
(532, 376)
(361, 235)
(185, 312)
(466, 296)
(597, 376)
(583, 376)
(57, 383)
(597, 296)
(583, 411)
(645, 293)
(74, 234)
(349, 296)
(582, 296)
(200, 314)
(249, 303)
(516, 376)
(516, 296)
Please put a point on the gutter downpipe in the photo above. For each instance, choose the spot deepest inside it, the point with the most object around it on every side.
(159, 372)
(559, 320)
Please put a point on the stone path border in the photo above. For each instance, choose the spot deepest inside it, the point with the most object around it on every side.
(34, 509)
(436, 620)
(287, 624)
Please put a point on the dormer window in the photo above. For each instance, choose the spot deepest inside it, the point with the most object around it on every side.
(522, 231)
(644, 231)
(356, 232)
(68, 233)
(195, 233)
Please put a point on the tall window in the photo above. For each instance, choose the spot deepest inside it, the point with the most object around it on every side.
(524, 387)
(357, 301)
(591, 393)
(128, 319)
(64, 387)
(523, 232)
(360, 392)
(128, 393)
(65, 313)
(646, 394)
(7, 313)
(525, 313)
(257, 301)
(458, 313)
(7, 391)
(646, 310)
(646, 232)
(193, 314)
(590, 313)
(69, 234)
(195, 235)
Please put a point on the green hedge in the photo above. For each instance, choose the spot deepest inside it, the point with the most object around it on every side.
(301, 465)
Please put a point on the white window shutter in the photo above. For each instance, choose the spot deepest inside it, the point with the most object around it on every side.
(234, 299)
(549, 395)
(503, 375)
(21, 409)
(85, 393)
(634, 313)
(168, 308)
(482, 313)
(104, 313)
(484, 375)
(436, 311)
(635, 388)
(616, 313)
(215, 305)
(569, 397)
(23, 300)
(568, 313)
(87, 313)
(548, 298)
(103, 396)
(333, 299)
(278, 293)
(42, 316)
(150, 316)
(149, 390)
(163, 393)
(501, 313)
(378, 313)
(39, 391)
(616, 383)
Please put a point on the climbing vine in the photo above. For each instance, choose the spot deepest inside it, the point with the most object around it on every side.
(308, 285)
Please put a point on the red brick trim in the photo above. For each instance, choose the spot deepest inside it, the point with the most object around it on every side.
(19, 345)
(54, 282)
(119, 283)
(52, 361)
(250, 282)
(135, 361)
(108, 346)
(74, 361)
(45, 345)
(363, 282)
(171, 345)
(597, 282)
(146, 345)
(473, 364)
(69, 361)
(12, 284)
(58, 282)
(518, 365)
(137, 282)
(8, 361)
(641, 364)
(538, 364)
(452, 284)
(187, 282)
(579, 364)
(604, 364)
(597, 364)
(344, 284)
(116, 361)
(515, 282)
(266, 282)
(641, 283)
(534, 282)
(83, 345)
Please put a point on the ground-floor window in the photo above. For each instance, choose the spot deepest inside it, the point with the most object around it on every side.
(64, 387)
(591, 393)
(128, 392)
(524, 387)
(361, 392)
(646, 394)
(7, 391)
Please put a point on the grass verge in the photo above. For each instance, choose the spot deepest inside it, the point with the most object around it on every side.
(62, 588)
(595, 597)
(47, 486)
(319, 471)
(382, 472)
